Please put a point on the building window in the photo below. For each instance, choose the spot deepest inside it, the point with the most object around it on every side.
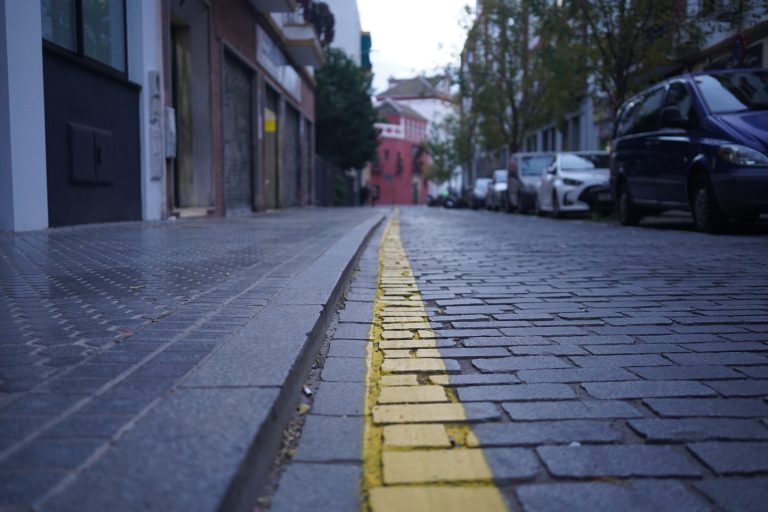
(386, 154)
(90, 28)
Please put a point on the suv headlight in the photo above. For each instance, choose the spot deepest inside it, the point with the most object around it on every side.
(571, 182)
(742, 155)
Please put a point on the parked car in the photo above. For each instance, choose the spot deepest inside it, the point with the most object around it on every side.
(697, 142)
(576, 182)
(480, 192)
(525, 170)
(497, 191)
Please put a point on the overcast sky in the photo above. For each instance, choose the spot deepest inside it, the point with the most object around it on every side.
(412, 36)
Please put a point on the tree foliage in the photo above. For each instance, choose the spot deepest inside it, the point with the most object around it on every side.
(345, 115)
(441, 147)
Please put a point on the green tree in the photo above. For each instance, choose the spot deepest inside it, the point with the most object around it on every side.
(441, 147)
(345, 115)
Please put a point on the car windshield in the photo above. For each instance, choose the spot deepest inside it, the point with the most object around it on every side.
(583, 162)
(535, 165)
(734, 92)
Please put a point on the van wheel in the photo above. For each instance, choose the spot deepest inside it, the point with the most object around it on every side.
(537, 207)
(629, 214)
(707, 216)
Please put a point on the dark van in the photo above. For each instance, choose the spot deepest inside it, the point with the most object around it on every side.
(697, 142)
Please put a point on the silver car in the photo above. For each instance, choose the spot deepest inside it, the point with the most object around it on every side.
(497, 191)
(525, 170)
(576, 182)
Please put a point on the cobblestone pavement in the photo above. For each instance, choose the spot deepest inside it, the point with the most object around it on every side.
(601, 367)
(99, 323)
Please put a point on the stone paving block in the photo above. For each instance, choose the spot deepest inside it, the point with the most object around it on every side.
(720, 358)
(593, 340)
(640, 348)
(737, 494)
(436, 499)
(18, 489)
(634, 495)
(508, 364)
(348, 348)
(543, 331)
(416, 436)
(576, 375)
(515, 392)
(473, 379)
(733, 458)
(543, 432)
(339, 399)
(537, 411)
(406, 344)
(419, 365)
(685, 372)
(358, 312)
(699, 429)
(205, 431)
(330, 439)
(399, 354)
(318, 487)
(740, 387)
(344, 369)
(708, 407)
(352, 331)
(401, 380)
(758, 372)
(643, 389)
(552, 350)
(51, 454)
(396, 335)
(728, 346)
(458, 464)
(622, 361)
(465, 352)
(412, 394)
(466, 333)
(616, 461)
(89, 426)
(433, 413)
(505, 341)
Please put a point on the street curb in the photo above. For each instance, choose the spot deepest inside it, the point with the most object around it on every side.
(328, 276)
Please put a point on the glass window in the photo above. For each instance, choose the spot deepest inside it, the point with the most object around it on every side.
(679, 97)
(647, 119)
(535, 165)
(626, 119)
(91, 28)
(58, 20)
(571, 162)
(734, 92)
(104, 31)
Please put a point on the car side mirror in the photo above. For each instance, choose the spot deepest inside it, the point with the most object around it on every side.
(672, 118)
(552, 170)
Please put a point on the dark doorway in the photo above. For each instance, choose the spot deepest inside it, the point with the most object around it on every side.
(238, 135)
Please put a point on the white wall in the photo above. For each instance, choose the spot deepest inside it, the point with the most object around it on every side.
(347, 27)
(145, 55)
(23, 186)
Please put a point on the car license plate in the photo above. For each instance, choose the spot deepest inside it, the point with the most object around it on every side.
(604, 196)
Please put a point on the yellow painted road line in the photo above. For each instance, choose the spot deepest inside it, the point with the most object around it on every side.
(419, 453)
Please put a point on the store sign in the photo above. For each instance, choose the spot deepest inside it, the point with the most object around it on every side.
(274, 62)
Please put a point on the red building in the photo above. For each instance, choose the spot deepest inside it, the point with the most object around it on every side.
(399, 171)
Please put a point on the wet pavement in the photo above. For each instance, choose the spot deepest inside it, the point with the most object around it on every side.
(600, 368)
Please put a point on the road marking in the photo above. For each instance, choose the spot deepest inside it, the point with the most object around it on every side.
(420, 453)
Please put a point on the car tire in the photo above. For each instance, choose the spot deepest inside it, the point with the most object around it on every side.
(556, 213)
(629, 214)
(707, 216)
(537, 207)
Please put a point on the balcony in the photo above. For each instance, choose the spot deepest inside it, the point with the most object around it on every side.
(301, 41)
(267, 6)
